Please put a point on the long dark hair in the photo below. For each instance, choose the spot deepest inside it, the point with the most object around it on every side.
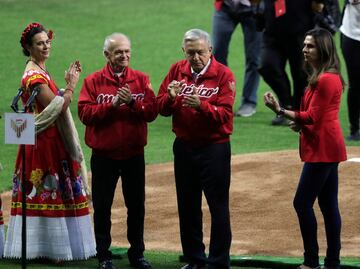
(328, 59)
(28, 33)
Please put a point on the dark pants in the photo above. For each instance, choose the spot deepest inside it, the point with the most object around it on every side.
(351, 52)
(319, 180)
(105, 175)
(275, 53)
(206, 169)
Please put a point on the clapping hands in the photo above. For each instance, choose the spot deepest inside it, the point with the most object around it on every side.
(174, 88)
(271, 102)
(72, 75)
(123, 95)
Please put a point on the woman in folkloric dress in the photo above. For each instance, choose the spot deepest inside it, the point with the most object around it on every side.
(58, 220)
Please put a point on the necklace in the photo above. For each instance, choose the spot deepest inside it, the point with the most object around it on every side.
(43, 69)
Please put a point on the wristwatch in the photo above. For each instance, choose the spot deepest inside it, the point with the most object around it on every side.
(281, 111)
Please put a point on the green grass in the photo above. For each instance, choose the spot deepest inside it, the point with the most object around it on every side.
(166, 260)
(158, 260)
(156, 28)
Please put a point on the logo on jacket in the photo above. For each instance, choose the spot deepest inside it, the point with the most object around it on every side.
(104, 98)
(201, 90)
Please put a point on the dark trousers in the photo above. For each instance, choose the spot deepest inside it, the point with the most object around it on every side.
(351, 52)
(206, 169)
(105, 175)
(319, 180)
(275, 53)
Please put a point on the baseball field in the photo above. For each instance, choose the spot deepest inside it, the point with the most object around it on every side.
(265, 161)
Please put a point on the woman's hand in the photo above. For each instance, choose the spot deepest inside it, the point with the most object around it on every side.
(294, 126)
(271, 102)
(72, 75)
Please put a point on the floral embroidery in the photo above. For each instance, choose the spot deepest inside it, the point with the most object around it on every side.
(36, 176)
(50, 186)
(51, 182)
(16, 184)
(77, 186)
(65, 185)
(44, 196)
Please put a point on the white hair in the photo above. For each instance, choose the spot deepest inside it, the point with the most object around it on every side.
(110, 38)
(196, 34)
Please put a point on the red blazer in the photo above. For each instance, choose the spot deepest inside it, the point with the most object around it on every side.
(321, 138)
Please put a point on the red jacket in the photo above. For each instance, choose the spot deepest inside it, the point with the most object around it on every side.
(121, 132)
(213, 121)
(321, 138)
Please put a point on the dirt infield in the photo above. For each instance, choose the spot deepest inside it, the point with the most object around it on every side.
(262, 216)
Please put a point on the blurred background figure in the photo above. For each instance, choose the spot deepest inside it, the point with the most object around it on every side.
(227, 15)
(285, 24)
(350, 45)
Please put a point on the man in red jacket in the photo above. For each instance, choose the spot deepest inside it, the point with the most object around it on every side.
(115, 104)
(199, 93)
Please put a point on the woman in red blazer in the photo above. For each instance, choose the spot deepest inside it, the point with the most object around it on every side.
(321, 146)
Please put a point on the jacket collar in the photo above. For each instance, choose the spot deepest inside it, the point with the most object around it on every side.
(108, 73)
(210, 72)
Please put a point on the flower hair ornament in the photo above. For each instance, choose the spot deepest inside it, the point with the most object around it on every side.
(28, 29)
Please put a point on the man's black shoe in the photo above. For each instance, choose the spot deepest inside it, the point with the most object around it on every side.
(193, 266)
(140, 263)
(107, 264)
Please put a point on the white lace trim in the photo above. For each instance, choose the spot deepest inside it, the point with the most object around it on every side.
(2, 240)
(63, 238)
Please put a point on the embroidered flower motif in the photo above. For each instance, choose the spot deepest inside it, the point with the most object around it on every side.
(67, 192)
(79, 178)
(51, 182)
(44, 196)
(16, 184)
(77, 187)
(36, 176)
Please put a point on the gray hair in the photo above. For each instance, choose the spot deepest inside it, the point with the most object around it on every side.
(196, 34)
(114, 36)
